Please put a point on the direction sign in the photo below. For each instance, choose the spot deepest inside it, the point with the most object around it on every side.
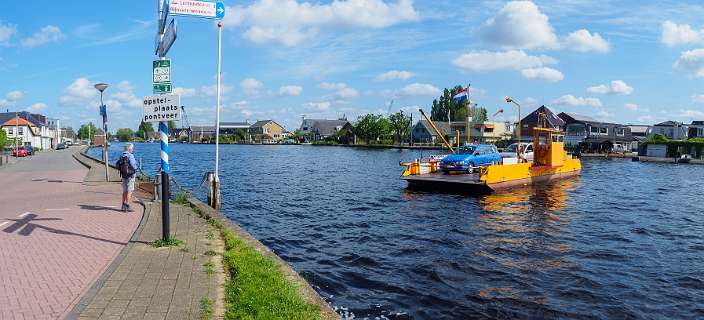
(163, 16)
(197, 8)
(161, 71)
(162, 108)
(167, 40)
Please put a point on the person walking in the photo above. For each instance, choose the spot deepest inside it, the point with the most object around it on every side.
(127, 165)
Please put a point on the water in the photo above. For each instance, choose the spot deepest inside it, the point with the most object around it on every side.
(625, 240)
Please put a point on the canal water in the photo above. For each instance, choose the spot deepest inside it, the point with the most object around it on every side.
(624, 240)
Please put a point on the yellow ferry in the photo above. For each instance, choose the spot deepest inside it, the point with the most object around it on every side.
(550, 162)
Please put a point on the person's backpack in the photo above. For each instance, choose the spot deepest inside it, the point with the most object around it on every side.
(126, 170)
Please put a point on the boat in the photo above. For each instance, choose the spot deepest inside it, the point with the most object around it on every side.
(550, 162)
(685, 158)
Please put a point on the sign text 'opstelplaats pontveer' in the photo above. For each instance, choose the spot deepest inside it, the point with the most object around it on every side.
(162, 108)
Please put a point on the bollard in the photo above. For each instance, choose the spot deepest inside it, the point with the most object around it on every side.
(213, 190)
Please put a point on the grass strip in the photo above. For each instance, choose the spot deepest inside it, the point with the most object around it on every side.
(206, 309)
(256, 288)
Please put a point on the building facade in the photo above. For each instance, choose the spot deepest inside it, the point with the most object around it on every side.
(591, 135)
(267, 131)
(321, 129)
(672, 130)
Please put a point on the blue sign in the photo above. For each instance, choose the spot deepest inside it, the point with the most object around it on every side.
(197, 9)
(220, 10)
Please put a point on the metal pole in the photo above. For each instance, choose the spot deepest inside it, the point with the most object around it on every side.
(105, 130)
(164, 135)
(469, 117)
(17, 132)
(217, 113)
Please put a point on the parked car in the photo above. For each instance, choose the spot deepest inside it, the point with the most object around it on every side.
(61, 146)
(510, 151)
(30, 150)
(470, 157)
(19, 152)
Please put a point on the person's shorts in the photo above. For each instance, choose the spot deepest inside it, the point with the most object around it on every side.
(128, 185)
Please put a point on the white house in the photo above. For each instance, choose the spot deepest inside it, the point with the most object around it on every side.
(25, 131)
(673, 130)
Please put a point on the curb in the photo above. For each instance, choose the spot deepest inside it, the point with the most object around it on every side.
(304, 288)
(93, 291)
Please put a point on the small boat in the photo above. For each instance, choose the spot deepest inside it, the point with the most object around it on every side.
(685, 158)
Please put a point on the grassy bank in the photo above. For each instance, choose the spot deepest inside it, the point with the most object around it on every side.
(256, 288)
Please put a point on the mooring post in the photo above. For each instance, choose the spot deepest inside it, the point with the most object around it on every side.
(164, 131)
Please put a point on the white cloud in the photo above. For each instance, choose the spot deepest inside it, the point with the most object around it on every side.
(317, 106)
(583, 41)
(290, 90)
(341, 90)
(125, 96)
(184, 92)
(680, 34)
(572, 101)
(394, 75)
(691, 62)
(289, 22)
(419, 89)
(692, 114)
(544, 73)
(37, 107)
(78, 93)
(646, 119)
(7, 31)
(15, 95)
(483, 61)
(520, 25)
(604, 115)
(698, 98)
(616, 87)
(44, 36)
(631, 106)
(251, 86)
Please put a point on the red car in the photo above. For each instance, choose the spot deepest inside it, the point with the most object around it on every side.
(20, 152)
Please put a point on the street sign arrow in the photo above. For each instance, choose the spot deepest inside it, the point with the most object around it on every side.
(197, 9)
(168, 39)
(163, 17)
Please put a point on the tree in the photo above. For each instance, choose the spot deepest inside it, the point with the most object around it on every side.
(371, 127)
(458, 111)
(3, 139)
(171, 125)
(124, 134)
(144, 129)
(401, 126)
(87, 131)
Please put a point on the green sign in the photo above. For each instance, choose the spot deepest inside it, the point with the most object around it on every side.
(161, 88)
(162, 64)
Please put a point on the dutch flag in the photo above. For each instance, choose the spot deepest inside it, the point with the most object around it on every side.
(461, 95)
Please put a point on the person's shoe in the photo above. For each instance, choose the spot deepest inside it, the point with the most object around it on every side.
(125, 207)
(128, 209)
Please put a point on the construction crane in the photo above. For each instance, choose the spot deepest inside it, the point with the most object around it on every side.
(188, 124)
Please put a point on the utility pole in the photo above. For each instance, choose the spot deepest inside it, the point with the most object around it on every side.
(104, 112)
(17, 131)
(216, 179)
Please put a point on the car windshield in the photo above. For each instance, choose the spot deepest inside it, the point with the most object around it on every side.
(511, 148)
(468, 149)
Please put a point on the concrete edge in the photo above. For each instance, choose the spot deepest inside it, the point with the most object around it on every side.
(89, 295)
(304, 288)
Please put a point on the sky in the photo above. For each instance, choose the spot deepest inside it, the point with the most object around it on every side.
(638, 62)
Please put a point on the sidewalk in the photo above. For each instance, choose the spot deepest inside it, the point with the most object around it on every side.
(146, 282)
(57, 234)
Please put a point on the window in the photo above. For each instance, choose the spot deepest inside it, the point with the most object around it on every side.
(10, 131)
(20, 131)
(593, 129)
(621, 131)
(489, 130)
(603, 130)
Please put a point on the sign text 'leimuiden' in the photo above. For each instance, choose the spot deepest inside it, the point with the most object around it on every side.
(162, 108)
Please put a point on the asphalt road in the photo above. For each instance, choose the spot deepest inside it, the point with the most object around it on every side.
(57, 234)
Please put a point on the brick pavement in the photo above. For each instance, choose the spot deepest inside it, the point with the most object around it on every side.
(57, 235)
(160, 283)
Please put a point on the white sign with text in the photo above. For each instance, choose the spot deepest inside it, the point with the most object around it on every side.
(162, 108)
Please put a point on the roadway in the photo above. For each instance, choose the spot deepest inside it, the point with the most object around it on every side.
(57, 234)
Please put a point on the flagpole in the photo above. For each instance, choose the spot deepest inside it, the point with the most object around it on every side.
(469, 116)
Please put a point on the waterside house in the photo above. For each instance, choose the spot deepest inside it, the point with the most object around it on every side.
(534, 120)
(639, 134)
(591, 135)
(423, 132)
(696, 130)
(267, 131)
(321, 129)
(26, 132)
(46, 130)
(672, 130)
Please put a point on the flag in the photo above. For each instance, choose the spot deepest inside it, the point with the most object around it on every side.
(461, 95)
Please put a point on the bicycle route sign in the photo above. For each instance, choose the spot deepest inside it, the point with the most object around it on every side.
(161, 76)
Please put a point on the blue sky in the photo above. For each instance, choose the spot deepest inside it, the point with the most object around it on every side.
(624, 61)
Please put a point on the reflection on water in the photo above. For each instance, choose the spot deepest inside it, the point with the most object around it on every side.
(624, 240)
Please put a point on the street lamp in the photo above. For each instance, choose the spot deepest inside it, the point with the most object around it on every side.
(518, 131)
(104, 112)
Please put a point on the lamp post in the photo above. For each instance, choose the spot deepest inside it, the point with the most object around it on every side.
(518, 130)
(104, 112)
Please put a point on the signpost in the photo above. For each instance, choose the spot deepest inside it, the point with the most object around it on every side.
(197, 9)
(163, 108)
(167, 40)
